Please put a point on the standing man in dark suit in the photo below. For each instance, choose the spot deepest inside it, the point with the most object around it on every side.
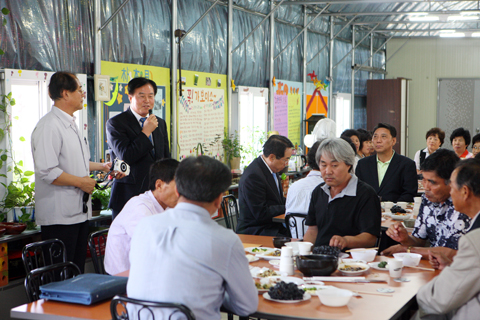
(137, 138)
(260, 190)
(393, 176)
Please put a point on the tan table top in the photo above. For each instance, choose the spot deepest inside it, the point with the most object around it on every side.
(366, 307)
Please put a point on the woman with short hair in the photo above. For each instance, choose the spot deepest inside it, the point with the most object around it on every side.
(435, 138)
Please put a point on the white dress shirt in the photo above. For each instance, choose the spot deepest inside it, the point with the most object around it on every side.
(57, 147)
(122, 228)
(298, 199)
(183, 256)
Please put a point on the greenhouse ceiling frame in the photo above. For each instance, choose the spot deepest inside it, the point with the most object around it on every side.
(311, 11)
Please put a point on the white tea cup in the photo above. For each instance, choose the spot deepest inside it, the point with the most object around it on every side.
(388, 205)
(304, 248)
(395, 267)
(402, 204)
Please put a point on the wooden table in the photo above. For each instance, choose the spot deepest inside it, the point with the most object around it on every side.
(366, 307)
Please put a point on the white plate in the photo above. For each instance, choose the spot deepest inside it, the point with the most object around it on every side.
(401, 218)
(268, 257)
(354, 273)
(253, 258)
(349, 261)
(262, 250)
(315, 286)
(375, 266)
(295, 280)
(306, 296)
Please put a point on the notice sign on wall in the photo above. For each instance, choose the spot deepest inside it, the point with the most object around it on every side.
(201, 119)
(288, 109)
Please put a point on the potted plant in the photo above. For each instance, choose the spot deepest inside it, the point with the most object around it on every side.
(231, 146)
(100, 199)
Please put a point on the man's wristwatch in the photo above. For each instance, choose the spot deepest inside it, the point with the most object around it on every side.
(408, 249)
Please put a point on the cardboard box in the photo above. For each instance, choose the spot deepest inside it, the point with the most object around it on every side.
(3, 278)
(3, 263)
(3, 249)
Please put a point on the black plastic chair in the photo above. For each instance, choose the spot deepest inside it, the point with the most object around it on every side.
(146, 308)
(43, 253)
(292, 223)
(97, 242)
(230, 211)
(44, 275)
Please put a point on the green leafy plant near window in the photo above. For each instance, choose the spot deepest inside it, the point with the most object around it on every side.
(20, 192)
(102, 196)
(254, 148)
(231, 146)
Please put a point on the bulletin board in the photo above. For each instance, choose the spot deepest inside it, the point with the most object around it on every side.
(202, 114)
(120, 74)
(288, 109)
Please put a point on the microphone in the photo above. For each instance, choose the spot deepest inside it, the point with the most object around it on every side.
(150, 112)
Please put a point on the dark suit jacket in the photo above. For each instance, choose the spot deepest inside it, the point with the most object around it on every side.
(259, 200)
(400, 181)
(128, 143)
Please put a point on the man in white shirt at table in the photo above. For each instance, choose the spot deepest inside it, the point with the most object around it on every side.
(160, 196)
(300, 192)
(184, 256)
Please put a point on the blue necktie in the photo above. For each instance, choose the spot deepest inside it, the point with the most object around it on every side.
(142, 121)
(276, 181)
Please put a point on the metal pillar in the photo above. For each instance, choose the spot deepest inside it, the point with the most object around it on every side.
(304, 62)
(370, 74)
(272, 67)
(199, 19)
(273, 8)
(98, 70)
(229, 64)
(330, 68)
(353, 28)
(352, 108)
(304, 28)
(173, 71)
(331, 38)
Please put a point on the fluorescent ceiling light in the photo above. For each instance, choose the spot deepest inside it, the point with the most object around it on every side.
(461, 18)
(424, 18)
(476, 35)
(452, 35)
(447, 31)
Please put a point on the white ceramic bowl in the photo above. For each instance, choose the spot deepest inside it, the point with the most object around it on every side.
(334, 297)
(409, 259)
(365, 255)
(364, 268)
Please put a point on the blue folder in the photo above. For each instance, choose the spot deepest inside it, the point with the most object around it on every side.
(85, 289)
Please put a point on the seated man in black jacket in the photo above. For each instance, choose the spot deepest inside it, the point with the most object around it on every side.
(260, 190)
(393, 176)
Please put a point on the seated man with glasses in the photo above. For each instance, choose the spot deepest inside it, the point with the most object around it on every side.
(260, 190)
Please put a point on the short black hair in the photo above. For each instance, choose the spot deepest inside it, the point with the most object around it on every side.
(436, 132)
(442, 162)
(164, 170)
(276, 145)
(349, 133)
(140, 82)
(475, 139)
(202, 178)
(461, 132)
(468, 174)
(350, 142)
(364, 136)
(311, 155)
(387, 126)
(61, 81)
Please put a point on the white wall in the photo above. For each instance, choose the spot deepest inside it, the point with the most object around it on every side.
(425, 61)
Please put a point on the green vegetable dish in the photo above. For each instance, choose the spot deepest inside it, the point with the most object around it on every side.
(259, 250)
(382, 264)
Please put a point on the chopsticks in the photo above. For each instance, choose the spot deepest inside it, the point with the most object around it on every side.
(374, 293)
(421, 268)
(361, 249)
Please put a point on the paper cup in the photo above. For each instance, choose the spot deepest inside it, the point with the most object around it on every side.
(304, 248)
(395, 267)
